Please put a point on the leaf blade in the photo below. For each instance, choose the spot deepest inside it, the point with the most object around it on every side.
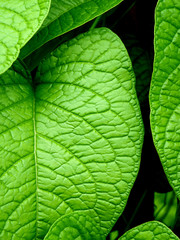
(18, 24)
(89, 71)
(89, 135)
(72, 15)
(17, 181)
(77, 225)
(149, 230)
(164, 93)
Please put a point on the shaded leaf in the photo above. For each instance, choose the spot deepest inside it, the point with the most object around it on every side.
(141, 61)
(165, 208)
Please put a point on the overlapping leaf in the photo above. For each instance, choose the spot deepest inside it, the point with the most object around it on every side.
(19, 20)
(164, 93)
(64, 16)
(71, 141)
(77, 225)
(150, 231)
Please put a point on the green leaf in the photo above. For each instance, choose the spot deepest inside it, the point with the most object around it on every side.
(150, 231)
(33, 60)
(164, 92)
(75, 226)
(19, 20)
(141, 61)
(17, 162)
(65, 16)
(114, 235)
(71, 141)
(165, 208)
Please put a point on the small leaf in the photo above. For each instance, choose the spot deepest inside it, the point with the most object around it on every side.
(19, 20)
(65, 16)
(150, 231)
(165, 208)
(164, 92)
(113, 235)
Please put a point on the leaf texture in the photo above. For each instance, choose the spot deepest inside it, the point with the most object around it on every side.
(164, 92)
(77, 225)
(71, 141)
(65, 16)
(150, 231)
(18, 184)
(19, 20)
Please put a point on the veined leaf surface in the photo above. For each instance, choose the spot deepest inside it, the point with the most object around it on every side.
(71, 141)
(64, 16)
(165, 86)
(150, 231)
(19, 20)
(77, 225)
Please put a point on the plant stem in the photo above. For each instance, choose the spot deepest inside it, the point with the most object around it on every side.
(127, 10)
(124, 14)
(95, 23)
(136, 210)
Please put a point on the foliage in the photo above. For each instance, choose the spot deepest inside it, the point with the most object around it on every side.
(73, 96)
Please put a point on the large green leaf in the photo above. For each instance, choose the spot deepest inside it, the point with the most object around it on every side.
(19, 20)
(71, 141)
(64, 16)
(165, 86)
(150, 231)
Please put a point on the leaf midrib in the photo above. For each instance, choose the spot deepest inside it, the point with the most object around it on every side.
(35, 156)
